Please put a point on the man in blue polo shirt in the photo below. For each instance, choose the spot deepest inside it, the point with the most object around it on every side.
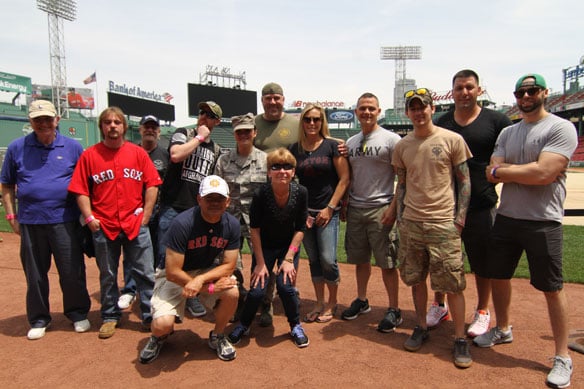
(40, 165)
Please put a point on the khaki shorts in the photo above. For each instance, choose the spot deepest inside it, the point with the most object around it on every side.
(167, 298)
(365, 235)
(433, 248)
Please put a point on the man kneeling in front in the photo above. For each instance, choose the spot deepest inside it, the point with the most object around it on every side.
(194, 241)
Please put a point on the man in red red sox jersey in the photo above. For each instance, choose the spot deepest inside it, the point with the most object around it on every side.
(116, 186)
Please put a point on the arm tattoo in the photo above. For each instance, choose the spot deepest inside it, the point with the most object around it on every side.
(463, 193)
(400, 192)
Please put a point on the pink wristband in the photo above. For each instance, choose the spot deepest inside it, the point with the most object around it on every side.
(89, 219)
(211, 288)
(294, 249)
(10, 216)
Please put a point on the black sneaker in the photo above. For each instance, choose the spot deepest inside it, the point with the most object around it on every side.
(391, 320)
(239, 332)
(462, 356)
(414, 342)
(225, 350)
(357, 307)
(299, 337)
(152, 349)
(266, 316)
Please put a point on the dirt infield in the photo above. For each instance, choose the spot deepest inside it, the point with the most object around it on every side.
(341, 353)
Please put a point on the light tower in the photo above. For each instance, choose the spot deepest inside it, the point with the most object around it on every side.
(213, 75)
(400, 54)
(57, 10)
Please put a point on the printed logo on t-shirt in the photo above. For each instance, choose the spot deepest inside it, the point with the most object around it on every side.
(198, 165)
(109, 175)
(202, 241)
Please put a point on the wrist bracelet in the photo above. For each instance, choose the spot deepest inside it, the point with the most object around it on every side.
(10, 216)
(211, 288)
(289, 260)
(330, 206)
(89, 219)
(494, 171)
(294, 249)
(200, 138)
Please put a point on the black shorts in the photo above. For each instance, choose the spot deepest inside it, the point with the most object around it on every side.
(476, 237)
(542, 242)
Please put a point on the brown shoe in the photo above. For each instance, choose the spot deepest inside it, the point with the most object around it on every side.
(107, 329)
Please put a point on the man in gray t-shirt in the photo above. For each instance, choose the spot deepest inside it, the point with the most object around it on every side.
(530, 159)
(370, 194)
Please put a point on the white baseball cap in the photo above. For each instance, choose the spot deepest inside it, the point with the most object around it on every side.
(213, 184)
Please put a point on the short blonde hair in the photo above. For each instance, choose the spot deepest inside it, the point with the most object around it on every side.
(280, 155)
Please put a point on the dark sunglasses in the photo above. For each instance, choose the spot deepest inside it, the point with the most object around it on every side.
(420, 91)
(530, 92)
(209, 114)
(280, 166)
(308, 120)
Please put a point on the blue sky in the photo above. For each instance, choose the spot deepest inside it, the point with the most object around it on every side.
(317, 50)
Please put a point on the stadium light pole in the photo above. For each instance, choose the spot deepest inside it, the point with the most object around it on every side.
(57, 11)
(400, 54)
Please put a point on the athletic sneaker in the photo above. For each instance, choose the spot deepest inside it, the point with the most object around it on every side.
(152, 349)
(480, 323)
(493, 337)
(357, 308)
(239, 332)
(82, 325)
(266, 316)
(462, 356)
(392, 319)
(436, 314)
(225, 350)
(299, 337)
(195, 308)
(36, 332)
(414, 342)
(126, 300)
(559, 376)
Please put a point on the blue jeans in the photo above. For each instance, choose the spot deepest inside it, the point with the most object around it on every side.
(62, 240)
(320, 244)
(286, 291)
(138, 253)
(129, 282)
(167, 215)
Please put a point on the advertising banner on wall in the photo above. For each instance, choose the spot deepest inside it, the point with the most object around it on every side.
(15, 83)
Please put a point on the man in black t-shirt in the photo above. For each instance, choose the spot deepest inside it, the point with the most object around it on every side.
(192, 157)
(196, 241)
(150, 135)
(480, 128)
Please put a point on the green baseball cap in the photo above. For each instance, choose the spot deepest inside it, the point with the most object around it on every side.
(531, 79)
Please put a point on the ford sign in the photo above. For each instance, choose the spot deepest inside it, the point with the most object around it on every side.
(341, 116)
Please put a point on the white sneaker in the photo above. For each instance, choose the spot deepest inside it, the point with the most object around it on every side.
(36, 333)
(559, 376)
(82, 325)
(436, 314)
(480, 323)
(126, 300)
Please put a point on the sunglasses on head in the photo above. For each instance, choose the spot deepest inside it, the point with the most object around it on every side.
(519, 93)
(208, 113)
(420, 91)
(280, 166)
(308, 120)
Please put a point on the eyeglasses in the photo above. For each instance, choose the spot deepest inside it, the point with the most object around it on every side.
(210, 115)
(530, 92)
(420, 91)
(280, 166)
(308, 120)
